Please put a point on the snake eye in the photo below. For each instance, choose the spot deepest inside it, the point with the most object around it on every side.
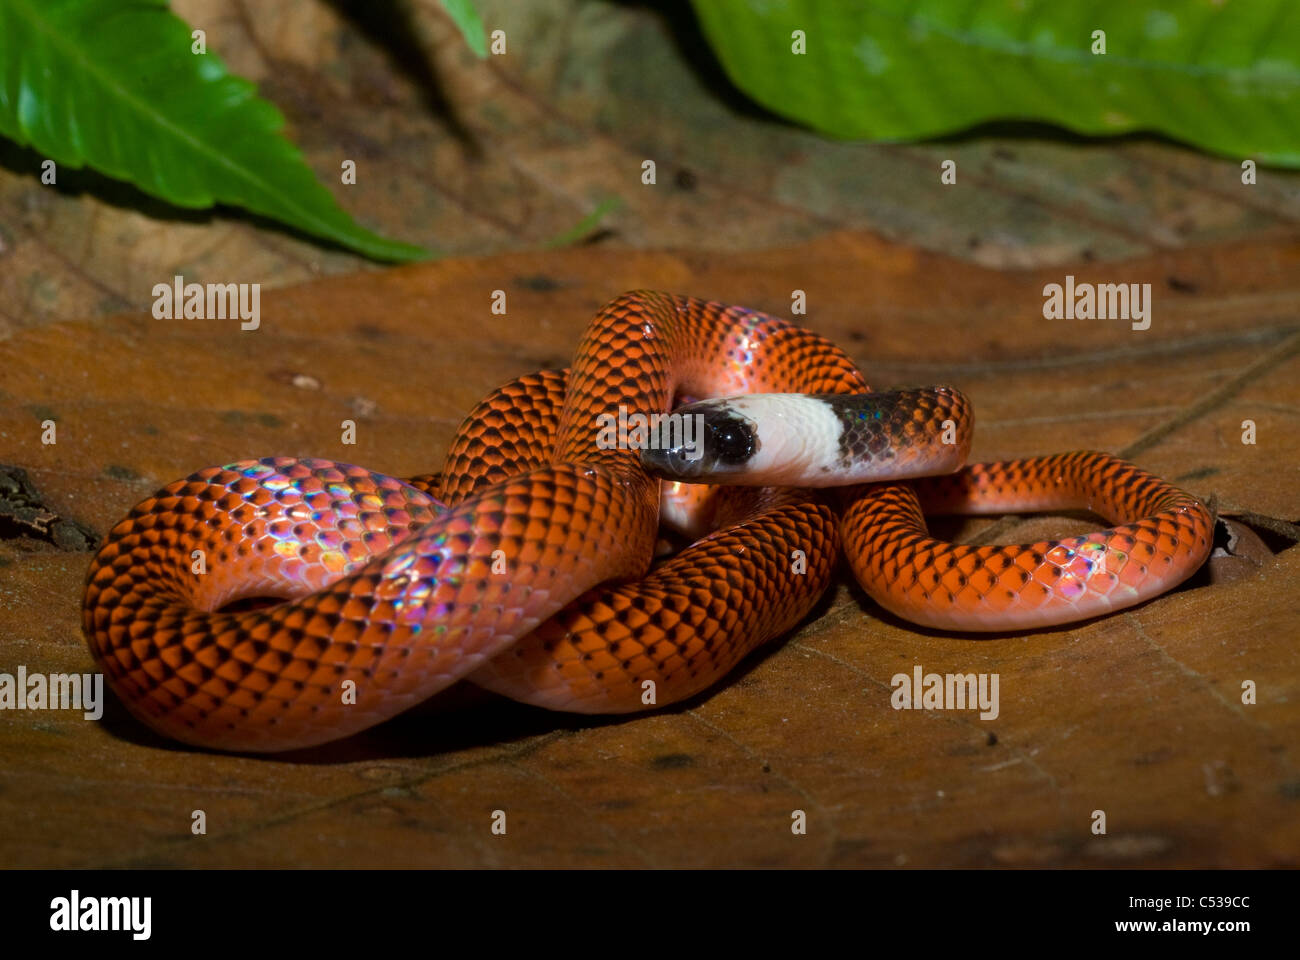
(728, 439)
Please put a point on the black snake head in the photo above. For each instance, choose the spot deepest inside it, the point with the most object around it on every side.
(704, 442)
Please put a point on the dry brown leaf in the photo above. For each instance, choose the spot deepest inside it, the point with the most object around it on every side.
(1139, 715)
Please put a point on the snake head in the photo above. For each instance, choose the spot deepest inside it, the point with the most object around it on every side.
(710, 442)
(813, 440)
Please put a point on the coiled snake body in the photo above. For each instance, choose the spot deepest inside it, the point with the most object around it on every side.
(525, 565)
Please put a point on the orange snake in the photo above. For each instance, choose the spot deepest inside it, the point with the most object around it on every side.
(526, 565)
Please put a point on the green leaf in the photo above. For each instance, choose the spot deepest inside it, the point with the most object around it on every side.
(471, 27)
(1222, 76)
(114, 84)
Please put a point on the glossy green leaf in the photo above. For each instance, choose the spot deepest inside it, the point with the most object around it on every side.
(465, 15)
(1224, 76)
(117, 85)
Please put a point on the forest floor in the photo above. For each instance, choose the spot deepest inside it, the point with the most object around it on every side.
(1147, 715)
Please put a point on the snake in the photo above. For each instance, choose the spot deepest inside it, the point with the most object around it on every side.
(281, 603)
